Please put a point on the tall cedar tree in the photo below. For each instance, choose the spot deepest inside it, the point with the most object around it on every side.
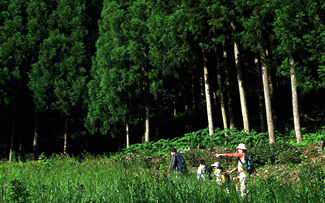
(58, 77)
(38, 13)
(289, 27)
(113, 80)
(256, 35)
(13, 60)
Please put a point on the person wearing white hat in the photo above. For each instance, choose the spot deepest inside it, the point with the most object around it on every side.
(218, 172)
(241, 155)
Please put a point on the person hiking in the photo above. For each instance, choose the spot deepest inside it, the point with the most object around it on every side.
(241, 155)
(202, 170)
(218, 170)
(177, 162)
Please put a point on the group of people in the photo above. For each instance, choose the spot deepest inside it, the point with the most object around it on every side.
(177, 164)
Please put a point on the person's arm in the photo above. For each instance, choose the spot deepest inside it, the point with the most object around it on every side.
(233, 170)
(239, 155)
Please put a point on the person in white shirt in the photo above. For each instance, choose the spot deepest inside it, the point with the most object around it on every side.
(202, 170)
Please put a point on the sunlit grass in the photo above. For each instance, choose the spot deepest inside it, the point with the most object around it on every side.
(61, 179)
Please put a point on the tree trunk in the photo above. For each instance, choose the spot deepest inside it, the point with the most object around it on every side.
(267, 98)
(195, 92)
(186, 108)
(295, 107)
(87, 140)
(202, 85)
(65, 145)
(11, 150)
(127, 133)
(222, 99)
(207, 93)
(157, 117)
(215, 97)
(228, 88)
(260, 95)
(275, 118)
(146, 106)
(174, 107)
(242, 95)
(35, 141)
(4, 153)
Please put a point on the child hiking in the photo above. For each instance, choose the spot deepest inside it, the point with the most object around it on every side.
(242, 156)
(221, 175)
(218, 173)
(202, 170)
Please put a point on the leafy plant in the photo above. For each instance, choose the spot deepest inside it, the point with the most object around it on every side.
(289, 156)
(18, 191)
(270, 153)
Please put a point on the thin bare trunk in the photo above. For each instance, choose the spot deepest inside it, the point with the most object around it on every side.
(65, 145)
(242, 95)
(260, 95)
(202, 86)
(20, 146)
(127, 133)
(267, 98)
(146, 107)
(174, 106)
(222, 99)
(187, 127)
(214, 98)
(295, 107)
(228, 88)
(86, 141)
(12, 139)
(275, 118)
(35, 141)
(195, 95)
(207, 93)
(157, 117)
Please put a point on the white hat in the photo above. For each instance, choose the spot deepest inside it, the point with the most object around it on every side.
(241, 146)
(217, 164)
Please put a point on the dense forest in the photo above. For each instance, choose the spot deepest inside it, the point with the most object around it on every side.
(99, 75)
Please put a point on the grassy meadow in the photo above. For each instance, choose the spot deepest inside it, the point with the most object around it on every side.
(100, 179)
(284, 173)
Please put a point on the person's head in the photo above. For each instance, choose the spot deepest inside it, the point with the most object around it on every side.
(173, 151)
(216, 165)
(202, 162)
(241, 148)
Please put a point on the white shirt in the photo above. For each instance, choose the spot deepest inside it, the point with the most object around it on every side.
(200, 172)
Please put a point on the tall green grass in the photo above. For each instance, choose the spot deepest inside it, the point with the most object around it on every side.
(100, 179)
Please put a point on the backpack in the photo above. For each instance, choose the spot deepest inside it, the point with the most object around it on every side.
(208, 171)
(249, 164)
(180, 162)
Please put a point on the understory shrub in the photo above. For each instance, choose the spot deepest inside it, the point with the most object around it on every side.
(279, 152)
(193, 157)
(289, 157)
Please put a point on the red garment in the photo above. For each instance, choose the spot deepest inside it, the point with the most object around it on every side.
(239, 155)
